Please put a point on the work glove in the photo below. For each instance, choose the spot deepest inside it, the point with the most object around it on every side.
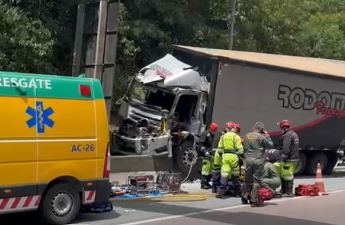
(284, 157)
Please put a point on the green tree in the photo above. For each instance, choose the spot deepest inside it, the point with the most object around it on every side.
(25, 44)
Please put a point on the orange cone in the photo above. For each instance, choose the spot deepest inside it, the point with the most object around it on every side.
(319, 181)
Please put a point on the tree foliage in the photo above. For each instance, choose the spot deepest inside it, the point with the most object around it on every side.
(38, 35)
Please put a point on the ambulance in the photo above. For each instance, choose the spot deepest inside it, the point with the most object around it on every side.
(54, 145)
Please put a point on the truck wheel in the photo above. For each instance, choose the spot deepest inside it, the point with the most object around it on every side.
(186, 157)
(301, 164)
(314, 160)
(332, 161)
(60, 204)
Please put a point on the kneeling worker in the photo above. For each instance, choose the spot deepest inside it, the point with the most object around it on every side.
(206, 144)
(271, 180)
(227, 158)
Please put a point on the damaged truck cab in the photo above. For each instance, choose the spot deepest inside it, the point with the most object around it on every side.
(161, 109)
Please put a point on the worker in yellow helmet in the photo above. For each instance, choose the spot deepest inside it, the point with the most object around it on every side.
(227, 159)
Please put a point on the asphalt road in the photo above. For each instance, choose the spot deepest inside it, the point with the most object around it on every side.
(197, 212)
(301, 211)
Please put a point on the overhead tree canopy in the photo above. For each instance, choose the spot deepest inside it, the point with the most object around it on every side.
(37, 36)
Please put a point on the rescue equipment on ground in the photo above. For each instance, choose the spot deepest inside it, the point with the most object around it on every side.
(313, 189)
(169, 182)
(306, 190)
(264, 195)
(143, 188)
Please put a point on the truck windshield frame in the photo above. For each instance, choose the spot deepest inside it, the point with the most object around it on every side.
(148, 95)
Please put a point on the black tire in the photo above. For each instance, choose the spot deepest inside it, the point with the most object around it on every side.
(332, 162)
(181, 166)
(46, 211)
(301, 164)
(314, 160)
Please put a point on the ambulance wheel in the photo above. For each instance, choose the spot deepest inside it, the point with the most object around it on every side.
(60, 204)
(185, 157)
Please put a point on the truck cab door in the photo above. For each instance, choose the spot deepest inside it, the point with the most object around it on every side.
(196, 122)
(202, 116)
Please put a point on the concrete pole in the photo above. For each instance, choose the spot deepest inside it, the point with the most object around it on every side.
(232, 24)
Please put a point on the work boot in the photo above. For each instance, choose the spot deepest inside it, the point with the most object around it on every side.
(283, 187)
(277, 195)
(220, 194)
(205, 183)
(244, 200)
(237, 186)
(288, 189)
(255, 204)
(214, 188)
(237, 191)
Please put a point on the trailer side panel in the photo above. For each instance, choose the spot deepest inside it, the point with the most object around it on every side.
(314, 105)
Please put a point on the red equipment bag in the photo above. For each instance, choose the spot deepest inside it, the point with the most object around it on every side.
(264, 195)
(307, 190)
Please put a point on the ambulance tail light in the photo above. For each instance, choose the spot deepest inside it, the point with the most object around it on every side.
(85, 90)
(106, 168)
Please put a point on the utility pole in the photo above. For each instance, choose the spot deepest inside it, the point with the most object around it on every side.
(96, 44)
(232, 24)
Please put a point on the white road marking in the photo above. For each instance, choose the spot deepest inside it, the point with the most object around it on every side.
(214, 210)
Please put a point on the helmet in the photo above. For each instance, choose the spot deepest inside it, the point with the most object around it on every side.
(229, 125)
(284, 123)
(213, 127)
(237, 126)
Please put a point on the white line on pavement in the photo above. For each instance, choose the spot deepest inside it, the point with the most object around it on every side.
(214, 210)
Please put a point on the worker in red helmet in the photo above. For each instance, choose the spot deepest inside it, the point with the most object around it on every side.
(289, 148)
(226, 159)
(217, 167)
(238, 128)
(206, 145)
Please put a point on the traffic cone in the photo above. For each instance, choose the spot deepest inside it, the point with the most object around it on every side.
(319, 181)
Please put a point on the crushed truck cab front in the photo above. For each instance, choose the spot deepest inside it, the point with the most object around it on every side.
(166, 97)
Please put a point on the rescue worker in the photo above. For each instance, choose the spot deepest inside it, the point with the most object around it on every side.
(289, 149)
(255, 144)
(272, 176)
(217, 167)
(238, 128)
(273, 156)
(206, 144)
(227, 159)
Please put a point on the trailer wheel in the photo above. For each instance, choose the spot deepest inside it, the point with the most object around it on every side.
(185, 157)
(314, 160)
(60, 204)
(301, 164)
(332, 161)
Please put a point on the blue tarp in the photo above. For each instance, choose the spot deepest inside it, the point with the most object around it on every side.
(135, 196)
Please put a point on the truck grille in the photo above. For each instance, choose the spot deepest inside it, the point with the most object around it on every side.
(138, 116)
